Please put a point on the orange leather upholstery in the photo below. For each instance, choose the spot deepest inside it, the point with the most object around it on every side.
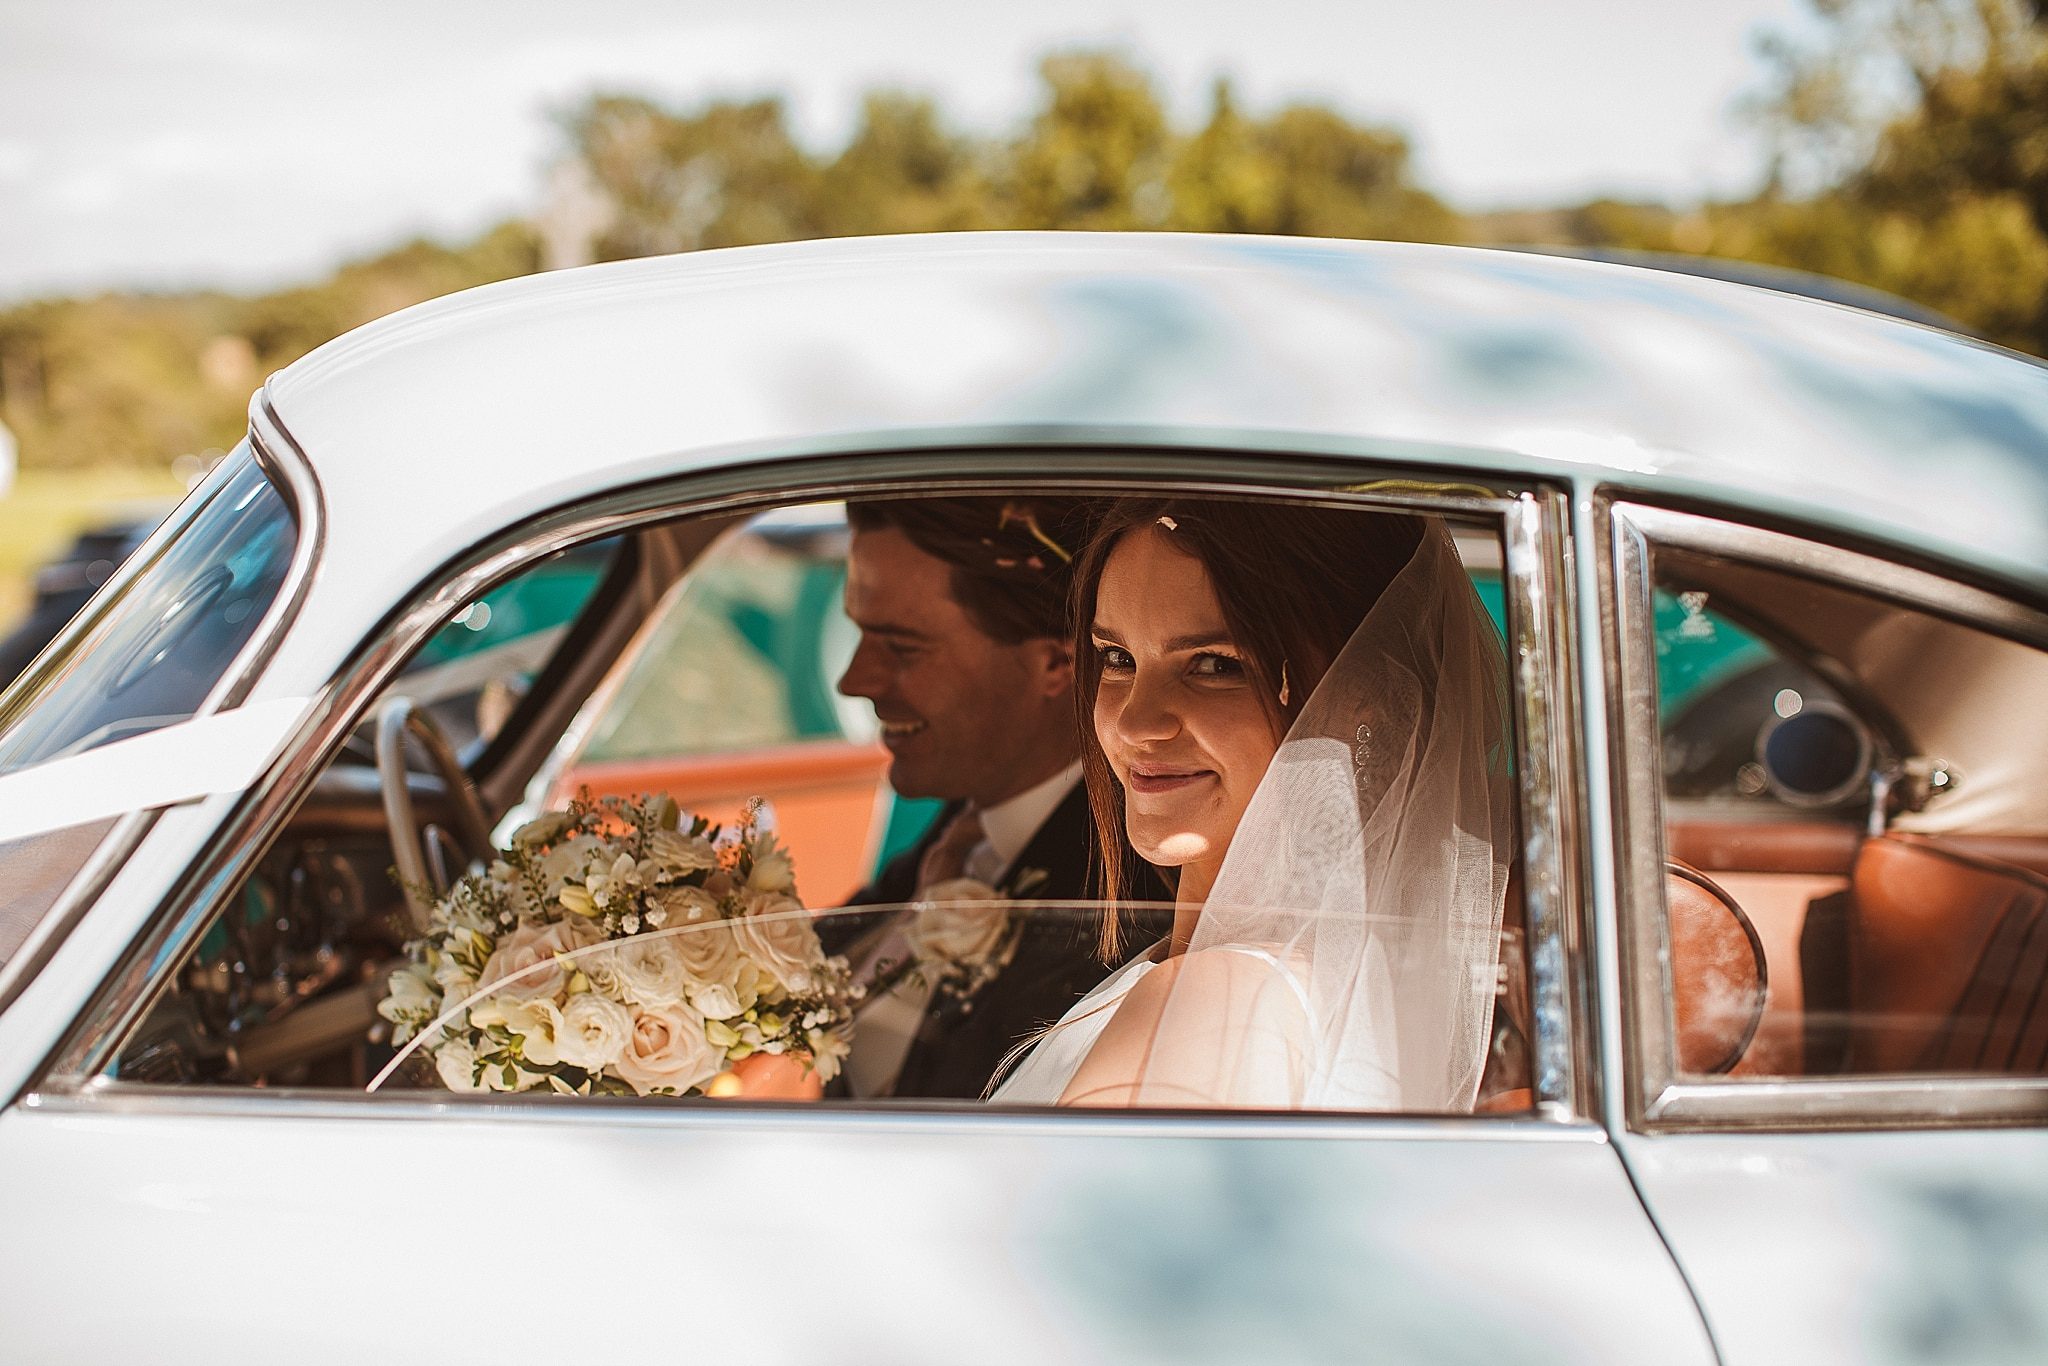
(1718, 979)
(1948, 955)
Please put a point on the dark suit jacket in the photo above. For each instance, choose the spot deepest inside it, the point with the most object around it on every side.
(960, 1043)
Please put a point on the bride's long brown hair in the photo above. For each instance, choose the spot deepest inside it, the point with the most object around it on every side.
(1293, 581)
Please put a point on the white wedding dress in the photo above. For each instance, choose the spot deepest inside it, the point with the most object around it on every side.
(1368, 877)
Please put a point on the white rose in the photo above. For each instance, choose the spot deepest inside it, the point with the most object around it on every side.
(541, 829)
(675, 854)
(776, 933)
(569, 859)
(456, 1062)
(703, 939)
(594, 1031)
(666, 1049)
(650, 970)
(956, 922)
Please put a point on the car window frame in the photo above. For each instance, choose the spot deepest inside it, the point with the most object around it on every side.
(1532, 520)
(291, 474)
(1659, 1098)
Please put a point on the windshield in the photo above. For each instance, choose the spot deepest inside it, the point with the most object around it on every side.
(150, 657)
(163, 642)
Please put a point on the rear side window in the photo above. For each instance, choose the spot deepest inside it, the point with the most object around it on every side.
(160, 645)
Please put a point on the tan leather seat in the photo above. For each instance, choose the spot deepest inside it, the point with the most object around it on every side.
(1948, 954)
(1719, 980)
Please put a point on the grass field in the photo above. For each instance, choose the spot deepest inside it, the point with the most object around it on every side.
(46, 508)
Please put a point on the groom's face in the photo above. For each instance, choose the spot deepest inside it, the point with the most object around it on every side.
(963, 715)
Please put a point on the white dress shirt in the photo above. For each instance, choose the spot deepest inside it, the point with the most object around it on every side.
(889, 1026)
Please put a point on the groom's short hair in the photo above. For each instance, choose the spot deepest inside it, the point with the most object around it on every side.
(1012, 559)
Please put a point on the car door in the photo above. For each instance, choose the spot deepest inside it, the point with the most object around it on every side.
(1878, 1189)
(178, 1221)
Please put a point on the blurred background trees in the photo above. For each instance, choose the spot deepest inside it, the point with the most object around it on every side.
(1909, 147)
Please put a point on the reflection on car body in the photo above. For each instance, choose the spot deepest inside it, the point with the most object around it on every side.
(1777, 985)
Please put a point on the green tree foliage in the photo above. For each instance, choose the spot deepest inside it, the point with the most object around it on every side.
(1910, 153)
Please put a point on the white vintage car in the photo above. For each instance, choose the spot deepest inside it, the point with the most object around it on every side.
(1773, 577)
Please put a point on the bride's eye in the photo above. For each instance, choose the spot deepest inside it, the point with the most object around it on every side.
(1217, 667)
(1114, 658)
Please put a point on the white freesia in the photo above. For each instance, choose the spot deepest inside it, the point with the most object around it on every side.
(594, 1031)
(615, 884)
(650, 970)
(537, 1023)
(777, 934)
(412, 1000)
(455, 1060)
(667, 1051)
(773, 870)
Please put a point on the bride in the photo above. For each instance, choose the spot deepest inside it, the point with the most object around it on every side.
(1299, 714)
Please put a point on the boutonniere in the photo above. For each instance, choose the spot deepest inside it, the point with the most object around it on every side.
(963, 934)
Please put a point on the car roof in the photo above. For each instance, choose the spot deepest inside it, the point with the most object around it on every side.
(440, 424)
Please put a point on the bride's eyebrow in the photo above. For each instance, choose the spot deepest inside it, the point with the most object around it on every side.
(1101, 632)
(1200, 641)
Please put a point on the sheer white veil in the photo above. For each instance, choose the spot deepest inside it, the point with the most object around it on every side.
(1347, 957)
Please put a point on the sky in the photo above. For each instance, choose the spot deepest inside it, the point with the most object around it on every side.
(249, 144)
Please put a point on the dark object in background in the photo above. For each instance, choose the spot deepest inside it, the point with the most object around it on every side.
(66, 584)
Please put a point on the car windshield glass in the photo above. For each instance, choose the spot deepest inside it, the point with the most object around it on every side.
(147, 659)
(161, 644)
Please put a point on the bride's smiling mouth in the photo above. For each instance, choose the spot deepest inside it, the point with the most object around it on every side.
(1154, 778)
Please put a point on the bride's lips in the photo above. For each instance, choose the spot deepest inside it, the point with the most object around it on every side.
(1152, 778)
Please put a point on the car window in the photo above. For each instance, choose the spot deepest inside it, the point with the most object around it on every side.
(1856, 831)
(158, 648)
(700, 897)
(149, 657)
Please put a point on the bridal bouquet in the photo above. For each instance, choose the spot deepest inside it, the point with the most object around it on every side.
(614, 950)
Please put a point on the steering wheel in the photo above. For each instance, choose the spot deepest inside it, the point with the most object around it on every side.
(397, 720)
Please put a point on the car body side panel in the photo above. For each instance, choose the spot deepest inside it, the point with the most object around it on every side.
(1858, 1247)
(764, 1237)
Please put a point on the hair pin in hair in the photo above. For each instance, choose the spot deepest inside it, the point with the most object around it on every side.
(1028, 519)
(1168, 522)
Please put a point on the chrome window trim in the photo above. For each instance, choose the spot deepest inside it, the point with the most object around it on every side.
(1537, 576)
(1530, 575)
(1659, 1098)
(103, 1097)
(288, 470)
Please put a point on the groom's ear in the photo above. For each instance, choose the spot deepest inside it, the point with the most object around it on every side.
(1053, 664)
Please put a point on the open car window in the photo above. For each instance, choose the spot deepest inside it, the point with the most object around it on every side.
(713, 890)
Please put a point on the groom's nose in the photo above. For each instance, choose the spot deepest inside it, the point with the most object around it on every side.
(866, 673)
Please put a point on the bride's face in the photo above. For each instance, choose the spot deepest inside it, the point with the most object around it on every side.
(1177, 714)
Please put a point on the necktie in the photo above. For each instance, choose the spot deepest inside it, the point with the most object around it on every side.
(889, 1026)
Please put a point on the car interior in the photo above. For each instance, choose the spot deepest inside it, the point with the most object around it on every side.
(1857, 867)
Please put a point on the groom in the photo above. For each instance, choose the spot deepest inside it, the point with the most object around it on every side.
(966, 655)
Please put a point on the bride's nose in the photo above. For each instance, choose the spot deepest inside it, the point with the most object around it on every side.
(1145, 712)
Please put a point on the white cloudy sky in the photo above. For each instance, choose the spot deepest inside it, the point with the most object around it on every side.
(250, 142)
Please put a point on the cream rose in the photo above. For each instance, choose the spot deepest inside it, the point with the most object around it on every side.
(516, 963)
(570, 859)
(650, 970)
(777, 934)
(666, 1050)
(594, 1032)
(957, 924)
(674, 854)
(541, 829)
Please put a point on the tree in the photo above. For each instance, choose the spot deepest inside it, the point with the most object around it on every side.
(1096, 155)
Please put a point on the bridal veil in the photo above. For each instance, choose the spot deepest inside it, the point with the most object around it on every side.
(1348, 956)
